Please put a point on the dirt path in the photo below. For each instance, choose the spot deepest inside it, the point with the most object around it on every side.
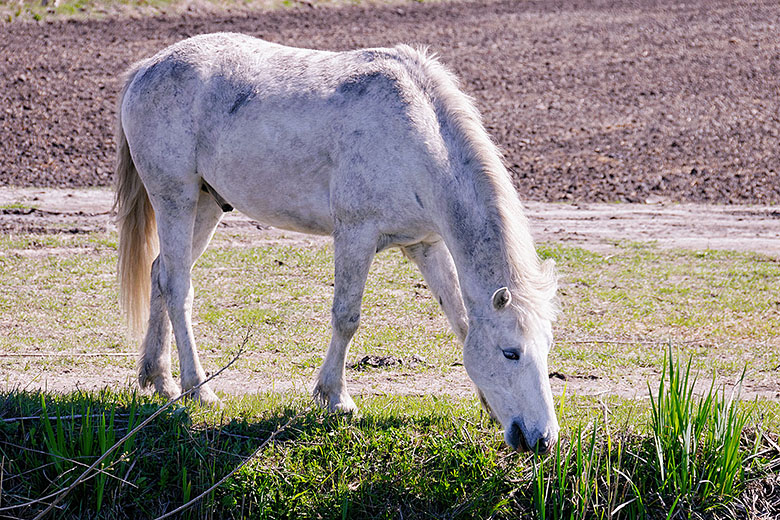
(688, 226)
(592, 226)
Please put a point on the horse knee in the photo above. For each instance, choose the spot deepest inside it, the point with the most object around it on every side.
(175, 287)
(345, 320)
(156, 286)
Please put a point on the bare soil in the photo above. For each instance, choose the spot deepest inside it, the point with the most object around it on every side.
(601, 100)
(672, 105)
(593, 226)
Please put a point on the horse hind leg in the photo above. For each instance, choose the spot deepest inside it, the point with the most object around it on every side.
(154, 368)
(154, 365)
(184, 235)
(353, 252)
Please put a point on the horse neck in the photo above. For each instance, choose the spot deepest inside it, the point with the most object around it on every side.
(477, 233)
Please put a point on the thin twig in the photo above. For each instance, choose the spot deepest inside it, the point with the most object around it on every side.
(51, 495)
(233, 472)
(77, 354)
(8, 517)
(65, 213)
(626, 342)
(614, 342)
(62, 494)
(72, 416)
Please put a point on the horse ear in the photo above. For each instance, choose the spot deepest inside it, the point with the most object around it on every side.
(501, 298)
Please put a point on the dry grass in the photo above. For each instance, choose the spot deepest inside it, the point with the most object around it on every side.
(58, 296)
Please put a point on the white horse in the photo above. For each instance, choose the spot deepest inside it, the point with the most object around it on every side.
(377, 148)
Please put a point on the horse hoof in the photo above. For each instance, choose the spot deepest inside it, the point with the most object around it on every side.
(166, 388)
(207, 397)
(345, 411)
(338, 403)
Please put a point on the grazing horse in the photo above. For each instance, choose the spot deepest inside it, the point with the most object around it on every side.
(376, 147)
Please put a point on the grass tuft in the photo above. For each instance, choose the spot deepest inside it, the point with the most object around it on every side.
(693, 458)
(413, 457)
(698, 456)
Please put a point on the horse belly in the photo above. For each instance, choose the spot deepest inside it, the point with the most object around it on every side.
(285, 190)
(294, 204)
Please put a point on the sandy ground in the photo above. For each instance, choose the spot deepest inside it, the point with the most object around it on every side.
(596, 227)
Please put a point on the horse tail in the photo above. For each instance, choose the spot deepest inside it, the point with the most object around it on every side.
(138, 243)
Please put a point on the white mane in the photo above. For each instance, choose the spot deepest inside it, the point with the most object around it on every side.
(533, 282)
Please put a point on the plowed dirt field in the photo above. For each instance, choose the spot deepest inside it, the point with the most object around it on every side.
(598, 100)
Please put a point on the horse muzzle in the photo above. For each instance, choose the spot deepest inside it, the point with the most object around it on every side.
(520, 440)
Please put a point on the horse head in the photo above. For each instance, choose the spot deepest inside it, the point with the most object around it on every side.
(505, 355)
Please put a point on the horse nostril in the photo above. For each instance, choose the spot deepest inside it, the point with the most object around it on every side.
(545, 445)
(516, 438)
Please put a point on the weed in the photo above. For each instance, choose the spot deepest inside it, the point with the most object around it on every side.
(697, 455)
(693, 459)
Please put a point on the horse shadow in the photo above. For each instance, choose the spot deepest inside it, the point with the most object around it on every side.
(316, 465)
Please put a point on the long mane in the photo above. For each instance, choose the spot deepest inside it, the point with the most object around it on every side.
(533, 282)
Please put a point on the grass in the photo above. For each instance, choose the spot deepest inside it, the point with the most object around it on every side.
(16, 206)
(717, 301)
(688, 452)
(620, 310)
(418, 457)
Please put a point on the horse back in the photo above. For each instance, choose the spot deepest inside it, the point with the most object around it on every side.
(296, 138)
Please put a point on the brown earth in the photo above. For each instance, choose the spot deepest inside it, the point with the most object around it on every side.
(592, 100)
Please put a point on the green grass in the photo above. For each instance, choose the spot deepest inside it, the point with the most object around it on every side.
(420, 456)
(722, 305)
(39, 10)
(11, 206)
(696, 440)
(58, 293)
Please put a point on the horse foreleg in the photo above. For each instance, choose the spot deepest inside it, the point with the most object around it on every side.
(436, 265)
(353, 253)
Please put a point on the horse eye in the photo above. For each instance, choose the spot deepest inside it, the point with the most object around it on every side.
(512, 355)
